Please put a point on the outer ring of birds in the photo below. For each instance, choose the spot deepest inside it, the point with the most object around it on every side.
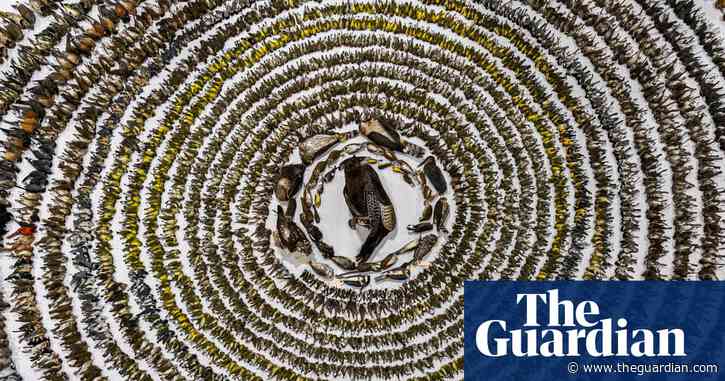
(142, 142)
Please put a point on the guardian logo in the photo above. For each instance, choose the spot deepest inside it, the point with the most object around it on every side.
(571, 327)
(594, 330)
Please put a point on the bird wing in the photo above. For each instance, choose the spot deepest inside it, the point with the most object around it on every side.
(381, 200)
(377, 230)
(436, 177)
(376, 186)
(389, 130)
(385, 141)
(346, 195)
(354, 207)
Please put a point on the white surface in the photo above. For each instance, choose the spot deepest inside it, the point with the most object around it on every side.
(334, 227)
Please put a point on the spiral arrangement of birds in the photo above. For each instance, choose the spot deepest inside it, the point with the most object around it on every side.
(163, 168)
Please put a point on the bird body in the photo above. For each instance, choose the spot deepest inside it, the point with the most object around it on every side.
(424, 247)
(440, 214)
(290, 235)
(411, 245)
(322, 269)
(368, 202)
(288, 181)
(315, 145)
(399, 274)
(434, 175)
(381, 134)
(420, 227)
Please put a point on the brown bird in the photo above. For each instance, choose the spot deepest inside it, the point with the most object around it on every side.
(368, 202)
(288, 181)
(381, 134)
(425, 245)
(440, 214)
(290, 235)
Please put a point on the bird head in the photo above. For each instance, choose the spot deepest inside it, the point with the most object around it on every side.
(351, 163)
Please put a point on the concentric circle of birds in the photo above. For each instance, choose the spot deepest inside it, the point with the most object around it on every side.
(292, 190)
(368, 203)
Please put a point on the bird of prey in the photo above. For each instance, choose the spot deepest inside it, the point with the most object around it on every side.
(368, 202)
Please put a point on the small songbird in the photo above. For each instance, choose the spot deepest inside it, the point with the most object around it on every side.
(440, 214)
(368, 202)
(288, 181)
(381, 134)
(434, 174)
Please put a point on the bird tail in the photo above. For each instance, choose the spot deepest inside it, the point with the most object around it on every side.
(371, 242)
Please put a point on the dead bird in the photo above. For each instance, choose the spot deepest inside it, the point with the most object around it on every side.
(421, 227)
(400, 273)
(323, 270)
(359, 281)
(326, 250)
(380, 265)
(434, 174)
(408, 173)
(11, 32)
(344, 262)
(411, 245)
(45, 87)
(381, 134)
(290, 235)
(440, 214)
(382, 151)
(314, 146)
(27, 14)
(427, 211)
(368, 202)
(35, 181)
(288, 181)
(424, 247)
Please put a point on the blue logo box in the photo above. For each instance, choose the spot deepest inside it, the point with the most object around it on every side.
(594, 330)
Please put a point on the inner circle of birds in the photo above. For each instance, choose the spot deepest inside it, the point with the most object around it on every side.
(368, 204)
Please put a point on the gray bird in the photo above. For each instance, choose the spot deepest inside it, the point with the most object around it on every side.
(368, 202)
(434, 174)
